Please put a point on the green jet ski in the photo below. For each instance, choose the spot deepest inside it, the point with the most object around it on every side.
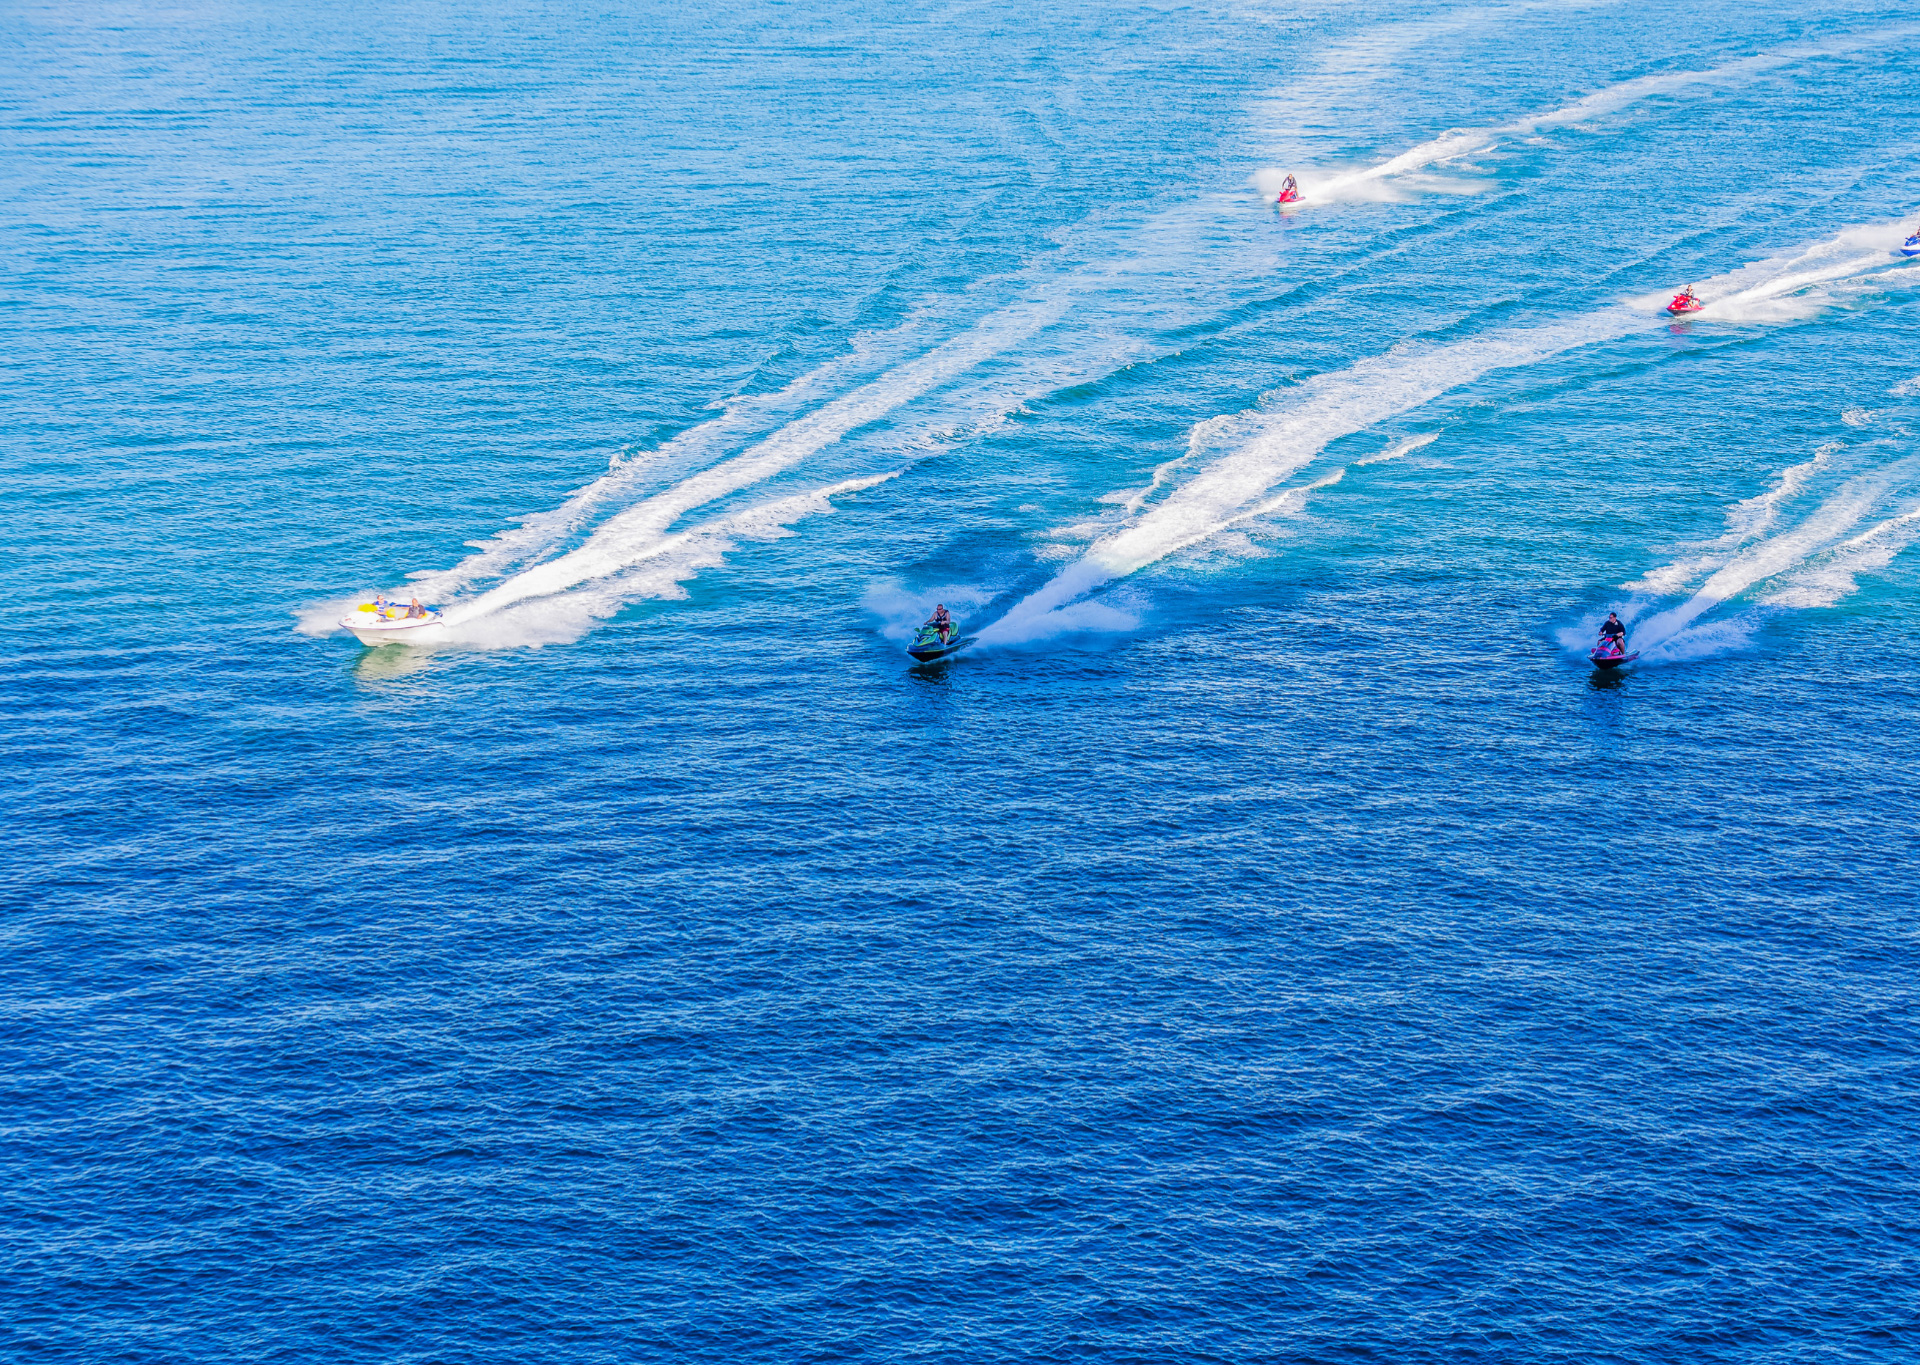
(932, 642)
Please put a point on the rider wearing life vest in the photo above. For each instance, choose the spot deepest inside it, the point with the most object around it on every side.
(942, 622)
(1289, 191)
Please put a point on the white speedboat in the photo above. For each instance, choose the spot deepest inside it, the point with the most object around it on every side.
(389, 623)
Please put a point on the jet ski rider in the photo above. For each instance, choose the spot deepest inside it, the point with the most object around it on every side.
(942, 622)
(1613, 635)
(1289, 189)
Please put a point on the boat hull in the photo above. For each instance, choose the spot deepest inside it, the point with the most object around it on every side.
(373, 633)
(1612, 660)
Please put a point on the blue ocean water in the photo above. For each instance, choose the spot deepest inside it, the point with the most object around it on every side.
(1270, 941)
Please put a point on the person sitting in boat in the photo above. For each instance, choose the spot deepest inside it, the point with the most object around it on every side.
(942, 622)
(1613, 635)
(415, 610)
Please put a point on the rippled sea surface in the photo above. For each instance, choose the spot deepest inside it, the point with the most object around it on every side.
(1269, 941)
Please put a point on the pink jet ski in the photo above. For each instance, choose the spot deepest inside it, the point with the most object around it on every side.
(1610, 651)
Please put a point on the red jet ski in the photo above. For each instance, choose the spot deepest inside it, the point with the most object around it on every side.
(1289, 193)
(1685, 302)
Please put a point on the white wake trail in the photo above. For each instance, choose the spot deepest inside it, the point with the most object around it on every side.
(1772, 291)
(1456, 143)
(1746, 519)
(1824, 583)
(656, 574)
(1272, 446)
(537, 534)
(1771, 557)
(1405, 446)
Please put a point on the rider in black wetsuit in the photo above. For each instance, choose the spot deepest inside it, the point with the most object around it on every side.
(1614, 633)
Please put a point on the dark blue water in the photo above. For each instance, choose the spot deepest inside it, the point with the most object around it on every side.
(1271, 941)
